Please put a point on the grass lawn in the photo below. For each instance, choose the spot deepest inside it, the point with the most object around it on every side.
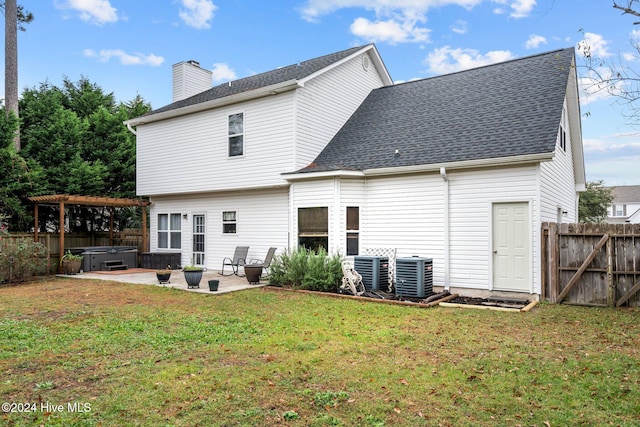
(96, 353)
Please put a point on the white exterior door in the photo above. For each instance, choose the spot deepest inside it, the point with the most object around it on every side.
(511, 247)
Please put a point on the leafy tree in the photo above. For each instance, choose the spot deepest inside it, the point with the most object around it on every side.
(18, 177)
(594, 202)
(75, 132)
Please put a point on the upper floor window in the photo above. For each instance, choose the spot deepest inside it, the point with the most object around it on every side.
(169, 231)
(236, 134)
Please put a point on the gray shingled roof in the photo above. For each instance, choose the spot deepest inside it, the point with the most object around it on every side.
(279, 75)
(626, 194)
(507, 109)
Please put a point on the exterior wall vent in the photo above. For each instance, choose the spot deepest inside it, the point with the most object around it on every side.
(414, 277)
(374, 271)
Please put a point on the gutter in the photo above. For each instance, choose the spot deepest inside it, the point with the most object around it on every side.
(464, 164)
(262, 92)
(435, 167)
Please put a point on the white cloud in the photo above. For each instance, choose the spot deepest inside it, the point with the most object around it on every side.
(594, 45)
(614, 143)
(391, 31)
(522, 8)
(96, 11)
(535, 41)
(519, 8)
(395, 21)
(197, 13)
(448, 60)
(125, 58)
(460, 27)
(222, 72)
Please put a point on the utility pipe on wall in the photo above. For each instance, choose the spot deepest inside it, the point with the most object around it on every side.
(445, 179)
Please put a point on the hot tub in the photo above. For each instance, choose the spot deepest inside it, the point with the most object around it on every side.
(96, 258)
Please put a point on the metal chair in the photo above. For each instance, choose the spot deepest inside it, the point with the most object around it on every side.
(239, 260)
(266, 263)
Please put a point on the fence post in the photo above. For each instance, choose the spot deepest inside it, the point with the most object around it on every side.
(544, 260)
(611, 291)
(554, 253)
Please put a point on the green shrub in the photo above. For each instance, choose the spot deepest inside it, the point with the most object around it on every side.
(307, 269)
(20, 258)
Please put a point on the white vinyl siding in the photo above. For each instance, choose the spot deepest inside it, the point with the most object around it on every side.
(557, 187)
(314, 194)
(326, 102)
(190, 154)
(189, 79)
(471, 195)
(406, 213)
(263, 215)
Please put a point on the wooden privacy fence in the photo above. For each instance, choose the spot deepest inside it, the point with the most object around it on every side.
(591, 264)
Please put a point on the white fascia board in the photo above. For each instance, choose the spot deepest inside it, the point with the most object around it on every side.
(575, 128)
(466, 164)
(233, 190)
(275, 89)
(302, 176)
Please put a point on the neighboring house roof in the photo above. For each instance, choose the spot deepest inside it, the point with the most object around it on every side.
(280, 79)
(626, 194)
(503, 110)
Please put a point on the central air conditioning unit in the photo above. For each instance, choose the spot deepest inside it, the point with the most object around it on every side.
(414, 277)
(374, 271)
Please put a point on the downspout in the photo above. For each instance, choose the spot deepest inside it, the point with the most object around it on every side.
(445, 180)
(131, 129)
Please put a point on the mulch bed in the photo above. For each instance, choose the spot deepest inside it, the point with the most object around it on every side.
(490, 302)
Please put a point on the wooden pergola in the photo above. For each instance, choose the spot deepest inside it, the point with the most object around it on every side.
(89, 201)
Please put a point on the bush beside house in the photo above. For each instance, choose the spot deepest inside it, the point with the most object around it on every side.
(305, 269)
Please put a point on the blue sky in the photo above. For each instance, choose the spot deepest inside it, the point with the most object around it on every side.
(128, 46)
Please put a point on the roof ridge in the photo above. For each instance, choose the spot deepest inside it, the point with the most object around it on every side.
(494, 64)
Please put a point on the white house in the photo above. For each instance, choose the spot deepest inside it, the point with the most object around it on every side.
(461, 168)
(625, 208)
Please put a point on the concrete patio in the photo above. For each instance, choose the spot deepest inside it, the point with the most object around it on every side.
(148, 277)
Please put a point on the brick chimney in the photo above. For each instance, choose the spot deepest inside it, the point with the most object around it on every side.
(189, 79)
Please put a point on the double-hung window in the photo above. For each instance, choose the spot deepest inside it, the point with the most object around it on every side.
(353, 230)
(236, 134)
(169, 231)
(229, 222)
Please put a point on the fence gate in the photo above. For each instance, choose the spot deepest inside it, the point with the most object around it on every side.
(591, 264)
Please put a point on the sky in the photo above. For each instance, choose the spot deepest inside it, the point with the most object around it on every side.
(127, 47)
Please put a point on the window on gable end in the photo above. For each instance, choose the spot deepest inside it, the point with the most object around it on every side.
(564, 124)
(236, 134)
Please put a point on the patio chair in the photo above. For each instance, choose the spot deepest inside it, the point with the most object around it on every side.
(351, 281)
(239, 260)
(266, 262)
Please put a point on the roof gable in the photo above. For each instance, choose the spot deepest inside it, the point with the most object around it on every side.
(280, 78)
(501, 110)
